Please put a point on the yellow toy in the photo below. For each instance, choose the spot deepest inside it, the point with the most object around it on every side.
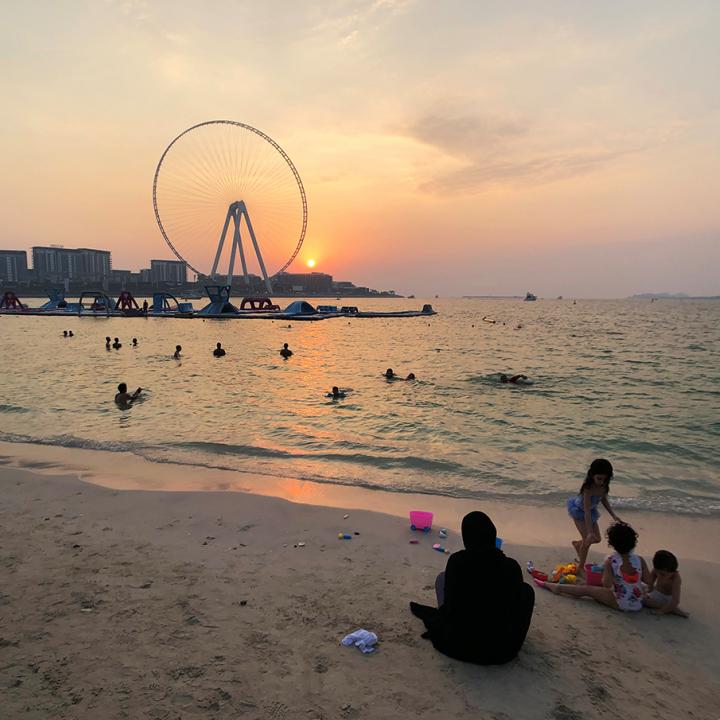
(565, 573)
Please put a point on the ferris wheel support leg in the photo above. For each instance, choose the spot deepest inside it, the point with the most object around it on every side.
(238, 241)
(222, 242)
(268, 286)
(235, 243)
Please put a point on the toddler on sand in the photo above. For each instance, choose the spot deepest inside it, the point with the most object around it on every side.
(663, 594)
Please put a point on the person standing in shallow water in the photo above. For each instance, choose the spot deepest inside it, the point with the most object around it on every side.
(218, 351)
(286, 352)
(484, 606)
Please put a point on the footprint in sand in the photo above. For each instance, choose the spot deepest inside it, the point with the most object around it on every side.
(563, 712)
(277, 711)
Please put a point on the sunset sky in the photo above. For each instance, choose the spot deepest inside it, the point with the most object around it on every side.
(445, 147)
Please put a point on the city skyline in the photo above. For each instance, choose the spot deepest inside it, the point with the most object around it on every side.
(451, 149)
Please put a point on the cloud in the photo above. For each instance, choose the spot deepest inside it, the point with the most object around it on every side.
(476, 177)
(357, 18)
(485, 150)
(465, 135)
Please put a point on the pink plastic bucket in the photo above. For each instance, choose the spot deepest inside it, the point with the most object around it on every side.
(593, 576)
(421, 520)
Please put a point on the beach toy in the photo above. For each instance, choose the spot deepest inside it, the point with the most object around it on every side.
(344, 536)
(443, 533)
(421, 520)
(536, 574)
(563, 571)
(440, 548)
(414, 542)
(593, 574)
(498, 543)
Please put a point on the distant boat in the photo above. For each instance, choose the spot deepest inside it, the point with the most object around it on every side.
(411, 297)
(529, 297)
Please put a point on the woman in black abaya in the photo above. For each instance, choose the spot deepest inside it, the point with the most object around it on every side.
(485, 608)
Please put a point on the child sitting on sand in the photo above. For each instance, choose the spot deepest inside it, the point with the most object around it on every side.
(663, 593)
(623, 574)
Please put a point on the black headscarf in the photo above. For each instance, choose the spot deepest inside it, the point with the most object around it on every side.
(487, 608)
(478, 531)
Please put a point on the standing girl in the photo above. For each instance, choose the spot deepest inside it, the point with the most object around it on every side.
(583, 508)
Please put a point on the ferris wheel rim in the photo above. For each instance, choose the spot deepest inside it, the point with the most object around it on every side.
(276, 146)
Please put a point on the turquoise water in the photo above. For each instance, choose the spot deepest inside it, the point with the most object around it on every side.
(633, 381)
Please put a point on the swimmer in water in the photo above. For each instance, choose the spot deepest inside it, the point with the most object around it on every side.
(286, 352)
(515, 379)
(70, 333)
(390, 375)
(336, 393)
(65, 333)
(218, 351)
(411, 376)
(117, 344)
(107, 343)
(178, 348)
(124, 398)
(134, 342)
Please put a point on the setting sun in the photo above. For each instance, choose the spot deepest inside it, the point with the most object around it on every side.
(310, 263)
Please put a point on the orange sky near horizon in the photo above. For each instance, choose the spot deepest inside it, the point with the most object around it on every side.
(457, 149)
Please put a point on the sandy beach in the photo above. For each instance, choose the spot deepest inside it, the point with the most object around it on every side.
(117, 602)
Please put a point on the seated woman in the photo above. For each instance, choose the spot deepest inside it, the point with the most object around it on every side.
(485, 607)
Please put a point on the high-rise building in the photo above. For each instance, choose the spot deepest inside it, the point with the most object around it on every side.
(172, 271)
(57, 264)
(13, 265)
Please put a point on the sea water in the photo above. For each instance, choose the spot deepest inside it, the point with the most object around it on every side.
(633, 381)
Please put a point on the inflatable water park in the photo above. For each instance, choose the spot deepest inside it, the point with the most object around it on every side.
(98, 304)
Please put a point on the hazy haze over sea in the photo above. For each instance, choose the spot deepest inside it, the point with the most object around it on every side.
(633, 381)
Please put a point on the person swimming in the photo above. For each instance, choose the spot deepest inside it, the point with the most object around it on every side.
(65, 333)
(286, 352)
(515, 379)
(411, 376)
(117, 344)
(336, 393)
(390, 375)
(107, 343)
(134, 342)
(218, 351)
(178, 349)
(123, 398)
(70, 333)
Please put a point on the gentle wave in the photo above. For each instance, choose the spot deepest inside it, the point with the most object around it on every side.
(13, 409)
(666, 501)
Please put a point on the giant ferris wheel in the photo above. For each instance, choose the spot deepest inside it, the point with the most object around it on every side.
(221, 182)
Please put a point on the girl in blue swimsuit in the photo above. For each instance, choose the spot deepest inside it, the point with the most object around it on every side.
(583, 508)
